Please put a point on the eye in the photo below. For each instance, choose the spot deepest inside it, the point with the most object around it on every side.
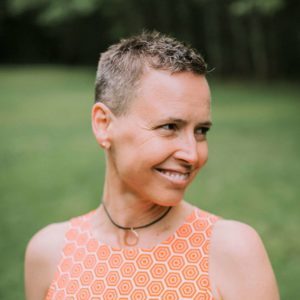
(201, 131)
(169, 127)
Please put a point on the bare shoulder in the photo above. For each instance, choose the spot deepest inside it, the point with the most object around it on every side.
(42, 256)
(240, 267)
(236, 237)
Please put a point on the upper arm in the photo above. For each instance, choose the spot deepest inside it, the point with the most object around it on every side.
(41, 259)
(240, 267)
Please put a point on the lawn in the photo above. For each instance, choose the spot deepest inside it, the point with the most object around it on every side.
(52, 169)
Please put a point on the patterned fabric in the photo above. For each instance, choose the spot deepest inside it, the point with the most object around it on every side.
(175, 269)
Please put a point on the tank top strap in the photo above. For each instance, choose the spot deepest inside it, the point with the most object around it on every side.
(79, 227)
(78, 237)
(204, 219)
(204, 222)
(77, 241)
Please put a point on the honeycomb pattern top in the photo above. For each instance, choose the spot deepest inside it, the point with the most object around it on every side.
(177, 268)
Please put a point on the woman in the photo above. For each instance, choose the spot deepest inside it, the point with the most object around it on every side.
(151, 116)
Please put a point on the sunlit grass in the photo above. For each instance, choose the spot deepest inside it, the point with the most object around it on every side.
(52, 169)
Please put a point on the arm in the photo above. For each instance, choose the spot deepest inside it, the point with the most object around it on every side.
(240, 267)
(41, 259)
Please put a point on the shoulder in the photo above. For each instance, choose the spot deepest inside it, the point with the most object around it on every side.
(240, 267)
(42, 256)
(47, 242)
(235, 237)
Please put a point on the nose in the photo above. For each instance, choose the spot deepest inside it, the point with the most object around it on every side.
(188, 150)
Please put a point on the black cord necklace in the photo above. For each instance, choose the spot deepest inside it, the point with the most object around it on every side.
(133, 229)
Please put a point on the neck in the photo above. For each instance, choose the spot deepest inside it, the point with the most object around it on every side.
(129, 212)
(125, 207)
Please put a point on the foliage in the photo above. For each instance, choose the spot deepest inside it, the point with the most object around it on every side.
(248, 38)
(53, 11)
(58, 10)
(267, 7)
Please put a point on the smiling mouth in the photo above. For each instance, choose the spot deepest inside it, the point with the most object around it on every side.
(174, 176)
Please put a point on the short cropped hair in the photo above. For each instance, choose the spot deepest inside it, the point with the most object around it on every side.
(121, 67)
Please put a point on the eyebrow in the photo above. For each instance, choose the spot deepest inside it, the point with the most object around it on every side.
(183, 122)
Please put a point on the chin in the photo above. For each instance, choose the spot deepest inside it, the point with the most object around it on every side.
(161, 196)
(169, 200)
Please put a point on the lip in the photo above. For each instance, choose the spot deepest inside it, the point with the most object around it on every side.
(176, 177)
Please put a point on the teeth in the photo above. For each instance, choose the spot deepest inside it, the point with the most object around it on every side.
(175, 175)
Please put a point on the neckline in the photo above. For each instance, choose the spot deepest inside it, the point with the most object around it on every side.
(187, 220)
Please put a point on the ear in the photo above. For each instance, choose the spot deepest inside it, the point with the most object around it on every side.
(101, 118)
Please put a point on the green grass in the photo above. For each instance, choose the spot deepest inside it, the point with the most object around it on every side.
(52, 169)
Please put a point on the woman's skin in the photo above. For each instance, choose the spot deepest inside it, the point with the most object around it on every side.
(153, 152)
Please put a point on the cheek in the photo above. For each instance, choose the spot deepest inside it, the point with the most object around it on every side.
(203, 154)
(133, 153)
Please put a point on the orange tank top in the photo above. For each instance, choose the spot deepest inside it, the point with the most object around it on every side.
(177, 268)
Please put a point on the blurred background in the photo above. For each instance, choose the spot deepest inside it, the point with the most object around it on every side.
(51, 167)
(249, 38)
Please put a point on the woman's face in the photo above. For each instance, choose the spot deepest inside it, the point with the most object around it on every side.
(159, 146)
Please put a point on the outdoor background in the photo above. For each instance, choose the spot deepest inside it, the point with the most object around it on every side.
(51, 167)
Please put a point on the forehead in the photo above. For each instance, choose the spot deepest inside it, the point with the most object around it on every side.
(161, 93)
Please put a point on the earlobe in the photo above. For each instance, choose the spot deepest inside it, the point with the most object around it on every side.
(101, 118)
(105, 145)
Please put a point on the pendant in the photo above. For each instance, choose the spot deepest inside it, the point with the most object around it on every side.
(131, 238)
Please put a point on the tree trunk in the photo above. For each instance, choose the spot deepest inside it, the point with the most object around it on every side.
(258, 46)
(212, 35)
(240, 51)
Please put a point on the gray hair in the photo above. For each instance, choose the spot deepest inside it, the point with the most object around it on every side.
(121, 67)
